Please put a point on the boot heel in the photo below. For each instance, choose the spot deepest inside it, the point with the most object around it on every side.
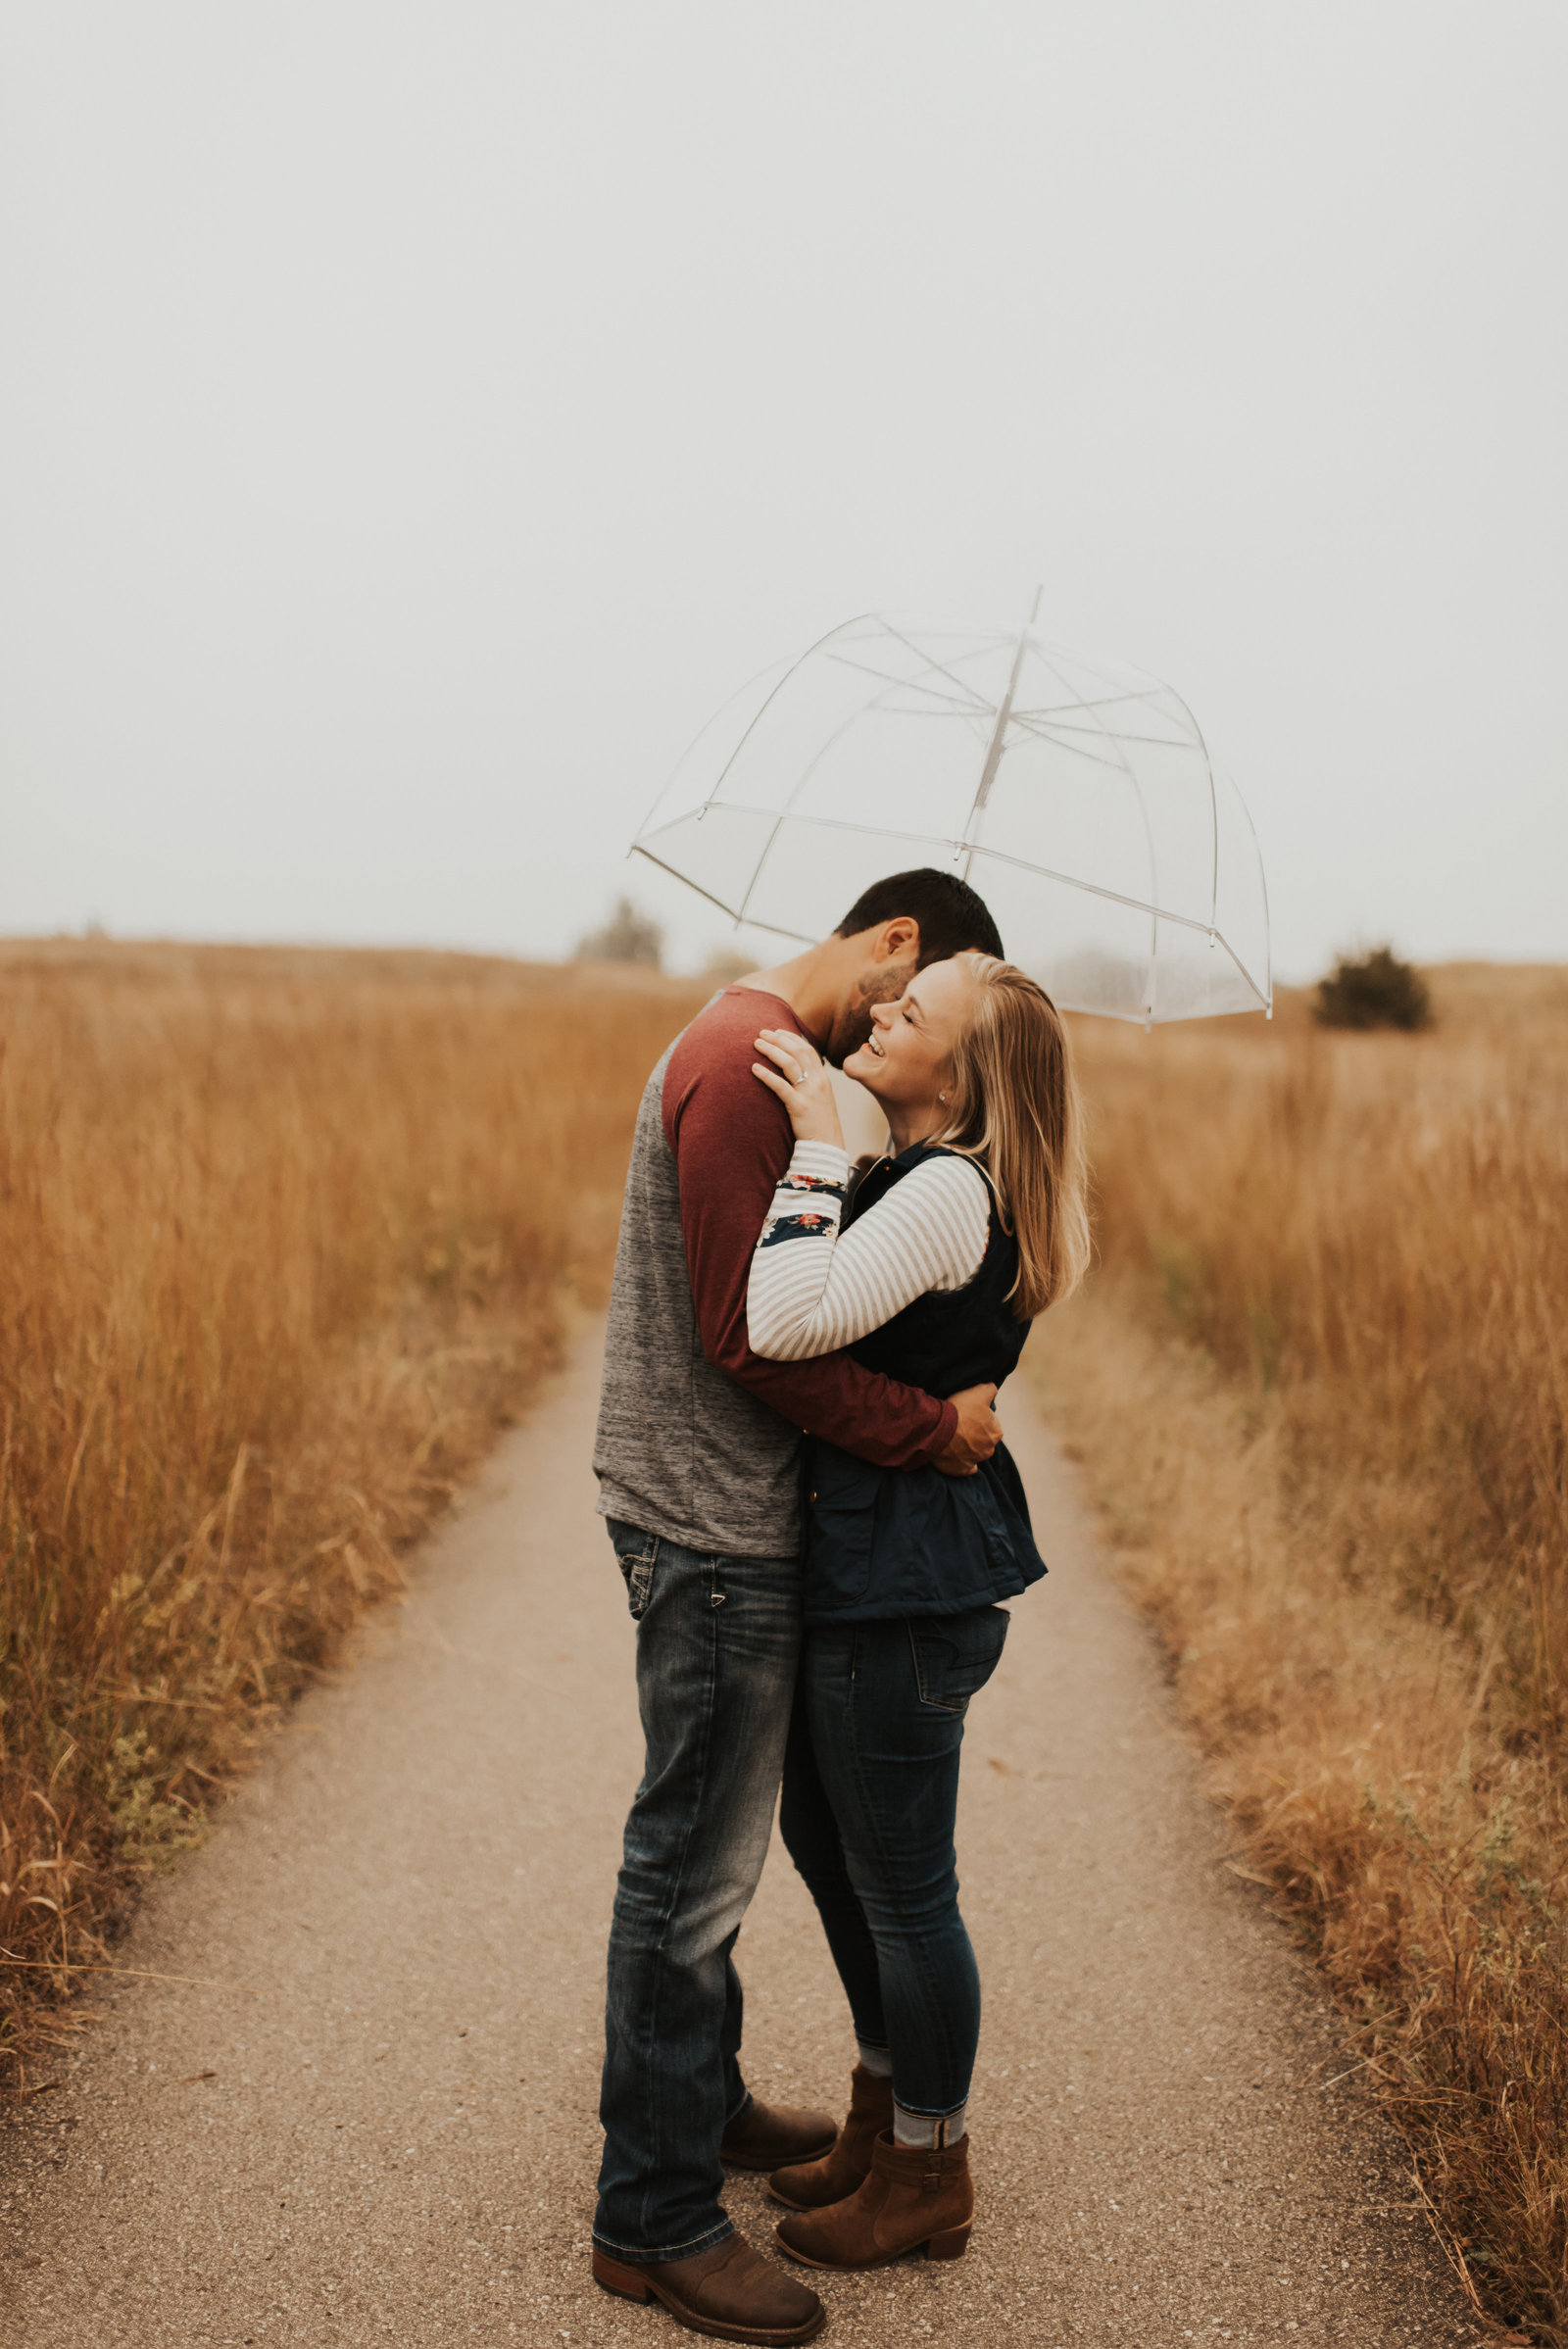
(952, 2245)
(612, 2275)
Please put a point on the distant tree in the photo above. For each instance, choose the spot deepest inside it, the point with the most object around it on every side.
(723, 965)
(628, 936)
(1378, 992)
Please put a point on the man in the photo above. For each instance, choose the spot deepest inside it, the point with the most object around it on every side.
(698, 1458)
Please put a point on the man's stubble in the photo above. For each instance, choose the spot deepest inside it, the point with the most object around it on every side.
(878, 983)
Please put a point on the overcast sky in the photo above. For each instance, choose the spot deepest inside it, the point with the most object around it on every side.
(415, 417)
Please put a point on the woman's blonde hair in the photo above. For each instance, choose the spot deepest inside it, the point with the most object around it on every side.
(1014, 1108)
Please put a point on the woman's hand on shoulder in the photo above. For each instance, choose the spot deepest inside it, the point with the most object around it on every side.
(797, 1072)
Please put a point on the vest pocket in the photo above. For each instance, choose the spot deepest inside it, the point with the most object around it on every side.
(841, 1506)
(955, 1655)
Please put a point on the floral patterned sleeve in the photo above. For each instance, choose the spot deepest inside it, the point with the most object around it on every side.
(808, 1204)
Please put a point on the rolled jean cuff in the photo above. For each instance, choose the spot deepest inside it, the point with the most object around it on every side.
(640, 2258)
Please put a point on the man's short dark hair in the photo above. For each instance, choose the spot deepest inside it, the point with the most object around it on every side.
(954, 918)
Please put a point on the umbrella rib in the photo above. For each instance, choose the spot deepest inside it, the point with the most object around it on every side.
(1093, 889)
(1130, 771)
(974, 707)
(877, 702)
(745, 738)
(1072, 725)
(974, 703)
(637, 850)
(1042, 734)
(1110, 701)
(952, 678)
(1213, 820)
(1048, 724)
(811, 766)
(1263, 883)
(1265, 1002)
(1047, 872)
(827, 823)
(1181, 921)
(1213, 811)
(772, 696)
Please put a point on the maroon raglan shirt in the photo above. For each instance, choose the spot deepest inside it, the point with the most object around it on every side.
(731, 1142)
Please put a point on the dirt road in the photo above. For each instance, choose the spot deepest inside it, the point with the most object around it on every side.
(383, 2128)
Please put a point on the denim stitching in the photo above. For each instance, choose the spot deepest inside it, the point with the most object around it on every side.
(944, 1704)
(639, 2258)
(916, 1948)
(679, 1874)
(937, 1704)
(638, 1571)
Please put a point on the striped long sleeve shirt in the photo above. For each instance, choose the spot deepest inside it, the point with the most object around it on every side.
(815, 1287)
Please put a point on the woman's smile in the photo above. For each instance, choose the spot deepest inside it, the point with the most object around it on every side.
(906, 1060)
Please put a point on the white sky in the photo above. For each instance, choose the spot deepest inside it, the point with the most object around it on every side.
(415, 417)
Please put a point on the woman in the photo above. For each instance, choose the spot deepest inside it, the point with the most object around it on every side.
(974, 1223)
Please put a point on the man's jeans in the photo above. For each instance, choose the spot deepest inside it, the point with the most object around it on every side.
(718, 1642)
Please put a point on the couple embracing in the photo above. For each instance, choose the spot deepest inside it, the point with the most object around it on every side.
(817, 1521)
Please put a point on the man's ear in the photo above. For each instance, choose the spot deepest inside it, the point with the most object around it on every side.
(897, 939)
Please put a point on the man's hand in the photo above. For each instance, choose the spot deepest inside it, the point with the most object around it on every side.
(976, 1435)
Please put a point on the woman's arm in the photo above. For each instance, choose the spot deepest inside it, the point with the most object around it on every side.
(814, 1287)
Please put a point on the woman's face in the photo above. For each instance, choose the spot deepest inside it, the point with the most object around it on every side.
(907, 1060)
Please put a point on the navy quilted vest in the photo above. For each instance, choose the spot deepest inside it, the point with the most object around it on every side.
(894, 1541)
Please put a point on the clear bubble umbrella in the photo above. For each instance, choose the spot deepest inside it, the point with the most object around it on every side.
(1076, 794)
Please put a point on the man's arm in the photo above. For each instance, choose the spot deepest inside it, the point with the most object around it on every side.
(732, 1142)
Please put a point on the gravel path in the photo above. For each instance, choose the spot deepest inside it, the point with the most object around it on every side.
(384, 2131)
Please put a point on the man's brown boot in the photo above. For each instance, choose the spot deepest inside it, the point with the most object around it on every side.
(730, 2292)
(811, 2186)
(916, 2197)
(764, 2136)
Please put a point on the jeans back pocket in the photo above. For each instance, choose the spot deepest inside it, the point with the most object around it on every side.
(636, 1554)
(955, 1655)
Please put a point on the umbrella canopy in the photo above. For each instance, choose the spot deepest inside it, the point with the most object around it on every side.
(1077, 795)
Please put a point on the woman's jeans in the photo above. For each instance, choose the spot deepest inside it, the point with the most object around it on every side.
(870, 1793)
(717, 1641)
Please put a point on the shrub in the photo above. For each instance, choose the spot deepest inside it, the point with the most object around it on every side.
(1378, 992)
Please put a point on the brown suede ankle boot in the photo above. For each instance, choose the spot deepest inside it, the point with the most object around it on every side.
(811, 2186)
(765, 2136)
(916, 2197)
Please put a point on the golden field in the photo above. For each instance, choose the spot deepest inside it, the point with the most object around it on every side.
(283, 1237)
(1320, 1384)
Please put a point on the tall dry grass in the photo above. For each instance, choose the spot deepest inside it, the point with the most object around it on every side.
(1321, 1382)
(284, 1236)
